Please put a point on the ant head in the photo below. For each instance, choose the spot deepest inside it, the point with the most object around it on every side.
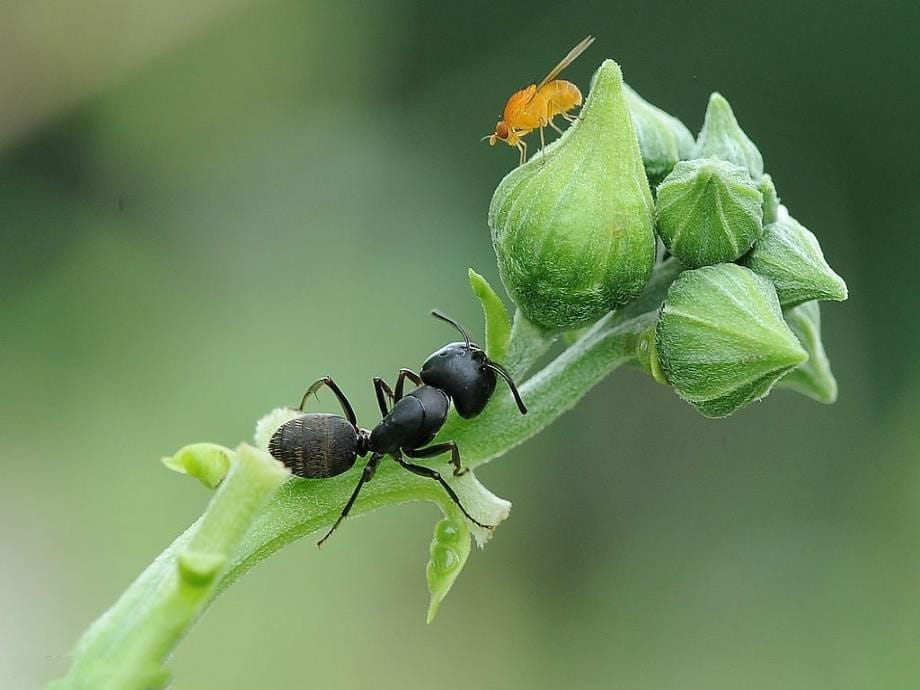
(465, 373)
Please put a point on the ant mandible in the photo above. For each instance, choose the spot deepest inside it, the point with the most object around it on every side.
(319, 445)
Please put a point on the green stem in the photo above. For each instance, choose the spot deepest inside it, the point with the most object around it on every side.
(126, 647)
(302, 507)
(552, 391)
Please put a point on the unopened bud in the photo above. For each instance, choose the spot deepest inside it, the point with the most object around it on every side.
(709, 212)
(721, 339)
(573, 227)
(723, 138)
(663, 139)
(790, 256)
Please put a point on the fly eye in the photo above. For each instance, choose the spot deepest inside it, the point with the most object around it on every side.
(501, 130)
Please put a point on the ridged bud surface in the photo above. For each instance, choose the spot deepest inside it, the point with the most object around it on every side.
(709, 212)
(573, 227)
(721, 339)
(790, 256)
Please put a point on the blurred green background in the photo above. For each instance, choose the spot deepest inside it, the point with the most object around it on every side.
(205, 206)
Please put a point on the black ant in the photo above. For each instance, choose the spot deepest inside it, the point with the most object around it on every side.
(318, 445)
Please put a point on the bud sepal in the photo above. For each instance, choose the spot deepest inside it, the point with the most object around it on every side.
(814, 377)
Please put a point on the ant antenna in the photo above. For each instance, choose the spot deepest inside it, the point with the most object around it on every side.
(438, 315)
(500, 370)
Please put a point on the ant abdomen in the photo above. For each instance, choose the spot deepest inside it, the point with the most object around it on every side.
(316, 446)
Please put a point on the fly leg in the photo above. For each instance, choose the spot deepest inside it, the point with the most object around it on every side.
(522, 147)
(423, 471)
(343, 401)
(366, 476)
(438, 449)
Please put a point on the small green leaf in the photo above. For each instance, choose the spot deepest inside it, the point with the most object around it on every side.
(814, 377)
(199, 568)
(207, 462)
(498, 323)
(449, 550)
(790, 256)
(647, 356)
(723, 138)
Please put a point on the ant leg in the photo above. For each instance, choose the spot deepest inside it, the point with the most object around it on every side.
(343, 401)
(438, 449)
(401, 380)
(366, 476)
(381, 387)
(422, 471)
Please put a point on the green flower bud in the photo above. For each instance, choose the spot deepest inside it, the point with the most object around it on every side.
(721, 339)
(663, 139)
(573, 227)
(723, 138)
(814, 378)
(709, 212)
(770, 199)
(790, 256)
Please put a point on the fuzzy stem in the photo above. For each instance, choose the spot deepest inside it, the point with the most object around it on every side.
(126, 647)
(554, 390)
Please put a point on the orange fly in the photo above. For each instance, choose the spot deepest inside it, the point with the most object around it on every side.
(536, 105)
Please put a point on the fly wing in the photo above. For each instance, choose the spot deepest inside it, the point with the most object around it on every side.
(566, 61)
